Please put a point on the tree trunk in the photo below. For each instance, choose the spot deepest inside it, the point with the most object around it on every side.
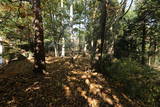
(98, 45)
(144, 43)
(71, 22)
(39, 51)
(63, 40)
(155, 51)
(71, 29)
(102, 30)
(63, 47)
(55, 50)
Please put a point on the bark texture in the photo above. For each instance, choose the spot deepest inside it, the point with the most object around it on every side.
(39, 51)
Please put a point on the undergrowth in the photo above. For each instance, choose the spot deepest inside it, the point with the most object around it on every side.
(139, 82)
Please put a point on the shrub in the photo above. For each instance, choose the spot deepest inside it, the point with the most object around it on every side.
(140, 82)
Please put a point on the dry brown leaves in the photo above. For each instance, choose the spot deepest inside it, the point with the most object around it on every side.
(68, 84)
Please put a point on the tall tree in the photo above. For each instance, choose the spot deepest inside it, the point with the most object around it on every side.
(143, 42)
(100, 35)
(39, 51)
(63, 40)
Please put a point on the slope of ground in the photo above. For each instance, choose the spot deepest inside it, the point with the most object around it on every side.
(70, 83)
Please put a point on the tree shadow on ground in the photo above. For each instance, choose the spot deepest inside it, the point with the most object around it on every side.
(68, 84)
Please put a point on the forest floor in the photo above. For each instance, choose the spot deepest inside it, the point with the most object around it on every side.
(68, 84)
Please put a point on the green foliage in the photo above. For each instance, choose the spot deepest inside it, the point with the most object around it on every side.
(140, 82)
(15, 21)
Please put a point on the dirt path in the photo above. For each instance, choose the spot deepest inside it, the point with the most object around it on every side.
(68, 84)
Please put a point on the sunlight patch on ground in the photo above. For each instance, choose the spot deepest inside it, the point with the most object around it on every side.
(91, 101)
(85, 76)
(13, 101)
(71, 78)
(33, 87)
(91, 86)
(67, 90)
(50, 60)
(106, 98)
(95, 88)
